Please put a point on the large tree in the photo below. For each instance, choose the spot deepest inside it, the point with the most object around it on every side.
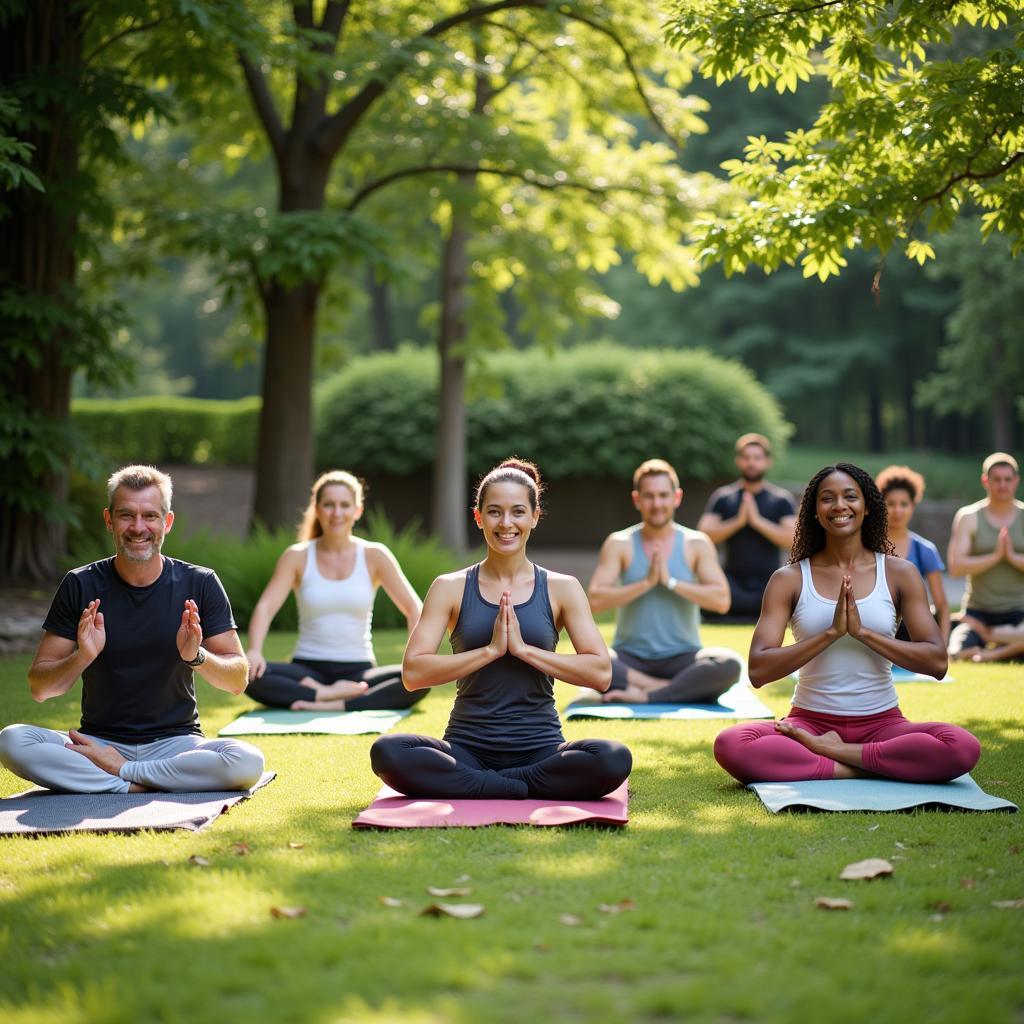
(349, 106)
(925, 116)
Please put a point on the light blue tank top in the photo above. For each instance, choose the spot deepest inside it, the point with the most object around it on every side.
(659, 624)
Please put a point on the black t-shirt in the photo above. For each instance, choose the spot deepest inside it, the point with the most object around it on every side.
(139, 689)
(749, 555)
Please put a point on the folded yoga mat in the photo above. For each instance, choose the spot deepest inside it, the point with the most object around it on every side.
(393, 810)
(739, 701)
(334, 723)
(43, 812)
(904, 675)
(877, 795)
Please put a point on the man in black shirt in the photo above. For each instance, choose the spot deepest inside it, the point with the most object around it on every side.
(134, 627)
(754, 519)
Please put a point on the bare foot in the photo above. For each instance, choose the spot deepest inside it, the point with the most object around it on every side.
(318, 705)
(630, 695)
(831, 745)
(991, 654)
(341, 689)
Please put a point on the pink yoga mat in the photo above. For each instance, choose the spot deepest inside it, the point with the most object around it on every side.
(393, 810)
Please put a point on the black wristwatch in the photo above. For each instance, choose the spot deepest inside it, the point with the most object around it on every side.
(198, 659)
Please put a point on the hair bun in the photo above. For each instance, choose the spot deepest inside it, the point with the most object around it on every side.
(523, 466)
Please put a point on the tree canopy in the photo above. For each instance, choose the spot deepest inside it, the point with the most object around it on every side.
(925, 116)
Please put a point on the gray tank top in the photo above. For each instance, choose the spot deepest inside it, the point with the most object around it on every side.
(506, 705)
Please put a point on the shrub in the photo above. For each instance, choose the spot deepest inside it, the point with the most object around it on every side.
(167, 429)
(593, 411)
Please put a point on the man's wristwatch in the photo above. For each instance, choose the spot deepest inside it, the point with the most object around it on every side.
(198, 659)
(672, 583)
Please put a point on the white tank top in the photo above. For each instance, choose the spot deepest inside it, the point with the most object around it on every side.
(335, 615)
(847, 678)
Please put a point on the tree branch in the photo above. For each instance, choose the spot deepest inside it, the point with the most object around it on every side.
(967, 173)
(264, 104)
(130, 30)
(549, 184)
(335, 130)
(809, 9)
(334, 17)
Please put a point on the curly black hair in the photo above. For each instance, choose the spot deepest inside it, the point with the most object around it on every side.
(810, 534)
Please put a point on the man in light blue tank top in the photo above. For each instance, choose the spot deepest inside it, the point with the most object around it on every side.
(659, 575)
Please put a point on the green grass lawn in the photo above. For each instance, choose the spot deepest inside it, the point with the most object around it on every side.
(724, 927)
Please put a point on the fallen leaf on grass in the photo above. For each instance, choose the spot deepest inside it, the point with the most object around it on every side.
(433, 890)
(1008, 904)
(967, 883)
(296, 846)
(287, 911)
(241, 849)
(873, 867)
(1015, 849)
(199, 862)
(832, 903)
(463, 911)
(390, 901)
(616, 908)
(899, 845)
(942, 906)
(873, 828)
(570, 919)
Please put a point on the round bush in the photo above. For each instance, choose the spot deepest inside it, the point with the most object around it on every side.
(593, 411)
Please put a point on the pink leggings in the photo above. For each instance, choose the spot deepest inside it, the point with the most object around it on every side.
(893, 748)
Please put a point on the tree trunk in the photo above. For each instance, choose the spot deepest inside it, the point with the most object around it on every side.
(284, 457)
(876, 431)
(37, 265)
(450, 499)
(1003, 412)
(382, 333)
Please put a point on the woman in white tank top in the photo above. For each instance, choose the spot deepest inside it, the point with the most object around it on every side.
(335, 578)
(844, 592)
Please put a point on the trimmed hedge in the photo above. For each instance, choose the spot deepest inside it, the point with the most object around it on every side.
(168, 429)
(593, 411)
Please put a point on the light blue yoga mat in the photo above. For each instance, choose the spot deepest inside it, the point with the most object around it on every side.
(739, 701)
(877, 795)
(904, 675)
(277, 721)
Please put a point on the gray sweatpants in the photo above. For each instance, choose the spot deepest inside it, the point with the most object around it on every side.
(176, 764)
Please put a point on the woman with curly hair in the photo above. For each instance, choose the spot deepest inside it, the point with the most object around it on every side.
(843, 592)
(902, 488)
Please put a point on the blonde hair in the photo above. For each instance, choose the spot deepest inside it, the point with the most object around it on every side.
(309, 527)
(655, 467)
(138, 478)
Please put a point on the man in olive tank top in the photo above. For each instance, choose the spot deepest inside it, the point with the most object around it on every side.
(659, 575)
(987, 546)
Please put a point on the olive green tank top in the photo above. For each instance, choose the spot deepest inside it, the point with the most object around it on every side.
(1001, 588)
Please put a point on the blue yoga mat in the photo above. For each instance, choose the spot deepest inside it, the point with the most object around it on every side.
(904, 675)
(739, 701)
(277, 721)
(877, 795)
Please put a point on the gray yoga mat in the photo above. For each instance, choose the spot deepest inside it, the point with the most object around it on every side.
(877, 795)
(739, 701)
(43, 812)
(277, 721)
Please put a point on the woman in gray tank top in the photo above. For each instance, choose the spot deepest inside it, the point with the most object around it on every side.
(504, 739)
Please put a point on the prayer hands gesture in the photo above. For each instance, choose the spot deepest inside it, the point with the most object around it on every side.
(506, 637)
(1004, 545)
(190, 633)
(749, 511)
(847, 615)
(657, 571)
(92, 635)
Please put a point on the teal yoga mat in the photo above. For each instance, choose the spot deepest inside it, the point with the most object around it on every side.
(877, 795)
(739, 701)
(279, 721)
(904, 675)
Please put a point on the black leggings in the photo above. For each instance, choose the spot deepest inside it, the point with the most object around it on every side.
(695, 677)
(280, 685)
(421, 766)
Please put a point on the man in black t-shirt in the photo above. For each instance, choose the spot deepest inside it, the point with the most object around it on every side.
(135, 627)
(754, 519)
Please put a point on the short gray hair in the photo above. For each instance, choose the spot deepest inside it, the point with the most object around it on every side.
(138, 478)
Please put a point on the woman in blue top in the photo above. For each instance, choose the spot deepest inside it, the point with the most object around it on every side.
(902, 489)
(504, 615)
